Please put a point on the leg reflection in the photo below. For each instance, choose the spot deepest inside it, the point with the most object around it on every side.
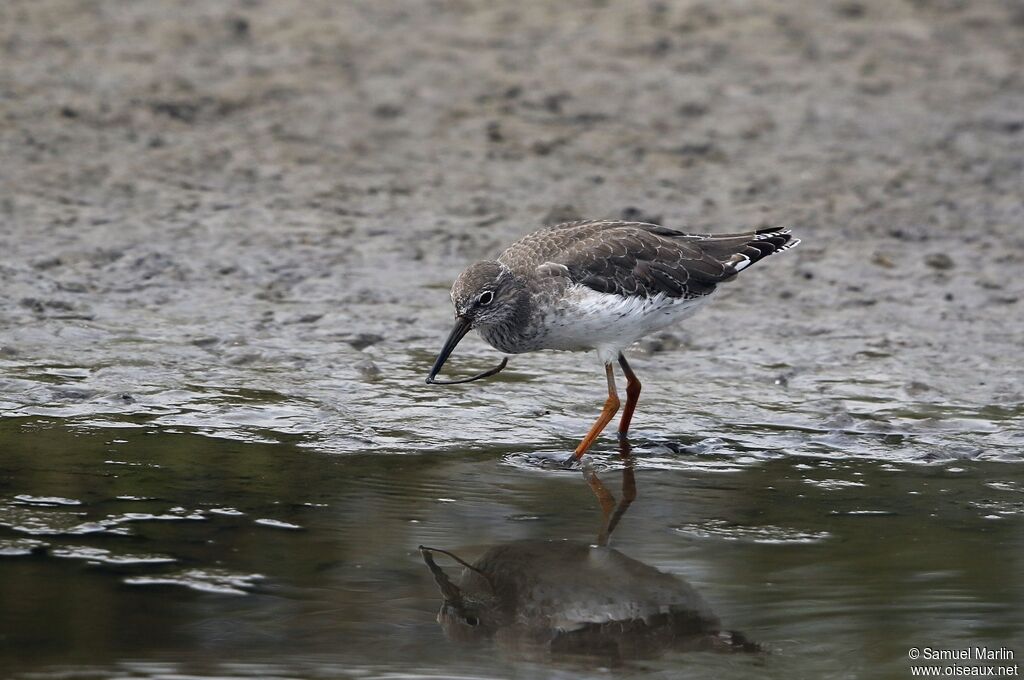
(612, 511)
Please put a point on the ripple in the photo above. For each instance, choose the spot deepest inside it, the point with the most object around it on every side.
(1006, 486)
(232, 512)
(29, 520)
(45, 500)
(997, 509)
(524, 518)
(555, 461)
(277, 524)
(101, 556)
(862, 513)
(833, 484)
(20, 547)
(720, 529)
(37, 521)
(218, 581)
(693, 464)
(700, 447)
(172, 515)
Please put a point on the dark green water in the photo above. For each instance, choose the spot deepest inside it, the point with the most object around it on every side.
(145, 552)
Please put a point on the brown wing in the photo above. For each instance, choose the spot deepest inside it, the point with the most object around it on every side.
(636, 259)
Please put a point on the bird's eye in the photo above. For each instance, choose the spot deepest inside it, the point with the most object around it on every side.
(472, 621)
(486, 297)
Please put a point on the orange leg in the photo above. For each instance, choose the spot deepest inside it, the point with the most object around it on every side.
(632, 395)
(611, 406)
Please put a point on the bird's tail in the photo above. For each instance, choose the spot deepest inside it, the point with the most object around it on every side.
(742, 250)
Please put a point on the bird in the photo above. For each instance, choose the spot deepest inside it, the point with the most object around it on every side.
(597, 285)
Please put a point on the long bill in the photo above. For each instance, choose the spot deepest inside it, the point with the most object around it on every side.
(448, 588)
(462, 326)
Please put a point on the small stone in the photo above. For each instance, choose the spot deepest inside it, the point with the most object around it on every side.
(367, 368)
(311, 317)
(561, 213)
(634, 214)
(34, 304)
(239, 27)
(693, 109)
(782, 379)
(244, 358)
(663, 342)
(914, 388)
(387, 111)
(48, 263)
(553, 102)
(875, 87)
(940, 261)
(71, 286)
(883, 260)
(851, 10)
(364, 340)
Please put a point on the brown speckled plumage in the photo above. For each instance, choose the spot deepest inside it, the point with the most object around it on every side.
(638, 259)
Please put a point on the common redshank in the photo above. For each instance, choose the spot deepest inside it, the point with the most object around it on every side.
(598, 285)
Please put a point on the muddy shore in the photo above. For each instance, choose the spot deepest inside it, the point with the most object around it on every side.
(242, 217)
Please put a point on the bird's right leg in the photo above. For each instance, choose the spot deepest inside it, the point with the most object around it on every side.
(611, 406)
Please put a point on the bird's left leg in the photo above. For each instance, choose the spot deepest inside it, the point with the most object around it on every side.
(611, 406)
(632, 395)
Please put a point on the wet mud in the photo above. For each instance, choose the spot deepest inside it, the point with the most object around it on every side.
(240, 217)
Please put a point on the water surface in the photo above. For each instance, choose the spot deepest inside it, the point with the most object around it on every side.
(142, 551)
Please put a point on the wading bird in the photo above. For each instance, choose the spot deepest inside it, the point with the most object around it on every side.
(598, 285)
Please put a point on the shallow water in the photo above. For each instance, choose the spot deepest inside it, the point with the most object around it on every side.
(150, 551)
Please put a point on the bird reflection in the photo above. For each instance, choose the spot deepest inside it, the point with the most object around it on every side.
(544, 598)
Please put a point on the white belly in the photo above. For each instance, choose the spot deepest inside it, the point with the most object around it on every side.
(586, 319)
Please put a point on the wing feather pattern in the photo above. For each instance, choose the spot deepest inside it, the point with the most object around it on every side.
(643, 260)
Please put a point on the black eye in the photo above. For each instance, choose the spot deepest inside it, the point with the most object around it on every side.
(472, 620)
(486, 297)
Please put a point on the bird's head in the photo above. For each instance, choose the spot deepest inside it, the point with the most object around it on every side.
(485, 295)
(470, 611)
